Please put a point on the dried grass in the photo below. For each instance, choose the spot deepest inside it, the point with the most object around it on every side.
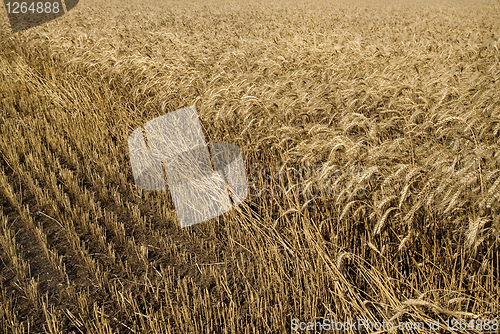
(398, 105)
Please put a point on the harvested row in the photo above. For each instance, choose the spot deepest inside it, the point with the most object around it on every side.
(370, 136)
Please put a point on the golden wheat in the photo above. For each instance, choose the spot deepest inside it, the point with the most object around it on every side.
(370, 137)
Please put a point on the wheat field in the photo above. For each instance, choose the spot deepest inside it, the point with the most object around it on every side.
(391, 109)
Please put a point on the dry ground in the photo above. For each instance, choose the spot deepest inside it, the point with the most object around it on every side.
(395, 104)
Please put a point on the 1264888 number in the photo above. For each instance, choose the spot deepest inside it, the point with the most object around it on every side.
(39, 8)
(26, 14)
